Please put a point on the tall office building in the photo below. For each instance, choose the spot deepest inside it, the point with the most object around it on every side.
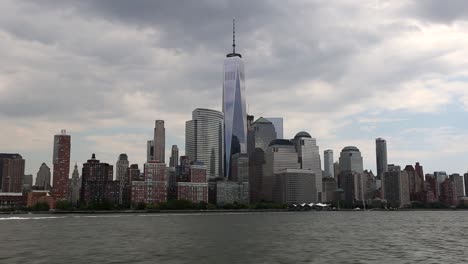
(204, 140)
(353, 186)
(351, 160)
(465, 181)
(448, 193)
(309, 158)
(278, 124)
(121, 173)
(234, 106)
(11, 172)
(396, 186)
(260, 134)
(440, 177)
(149, 150)
(74, 187)
(457, 180)
(159, 141)
(415, 183)
(174, 159)
(280, 154)
(351, 175)
(381, 156)
(43, 178)
(328, 163)
(61, 163)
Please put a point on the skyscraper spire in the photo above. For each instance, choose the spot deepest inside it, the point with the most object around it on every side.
(234, 54)
(233, 35)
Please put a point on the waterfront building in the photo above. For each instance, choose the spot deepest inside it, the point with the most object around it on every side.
(204, 140)
(309, 158)
(171, 175)
(416, 183)
(234, 106)
(278, 125)
(153, 189)
(12, 200)
(457, 180)
(381, 156)
(74, 187)
(329, 170)
(195, 189)
(159, 141)
(121, 172)
(294, 186)
(134, 173)
(61, 165)
(428, 194)
(174, 159)
(448, 193)
(149, 150)
(228, 192)
(369, 185)
(11, 172)
(280, 154)
(43, 178)
(465, 181)
(40, 196)
(97, 185)
(352, 183)
(396, 186)
(440, 177)
(328, 189)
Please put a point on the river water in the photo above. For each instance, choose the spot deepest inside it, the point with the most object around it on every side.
(288, 237)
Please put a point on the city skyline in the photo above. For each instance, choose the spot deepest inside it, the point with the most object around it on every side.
(420, 121)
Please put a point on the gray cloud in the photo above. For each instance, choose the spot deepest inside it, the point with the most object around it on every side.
(117, 65)
(439, 11)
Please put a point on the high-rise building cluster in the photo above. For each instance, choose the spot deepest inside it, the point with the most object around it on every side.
(230, 157)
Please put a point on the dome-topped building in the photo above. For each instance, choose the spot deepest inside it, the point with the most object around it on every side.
(351, 159)
(302, 134)
(309, 157)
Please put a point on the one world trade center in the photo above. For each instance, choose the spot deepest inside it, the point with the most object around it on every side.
(234, 105)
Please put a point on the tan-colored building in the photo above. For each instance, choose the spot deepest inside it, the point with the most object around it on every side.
(35, 197)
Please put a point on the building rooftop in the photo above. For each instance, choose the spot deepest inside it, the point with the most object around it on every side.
(262, 121)
(350, 148)
(283, 142)
(302, 134)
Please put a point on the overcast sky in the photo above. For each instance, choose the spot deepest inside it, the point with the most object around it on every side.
(346, 73)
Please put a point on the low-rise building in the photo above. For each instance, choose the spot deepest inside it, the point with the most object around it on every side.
(12, 200)
(293, 186)
(230, 192)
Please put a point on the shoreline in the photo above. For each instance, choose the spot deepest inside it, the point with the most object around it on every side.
(194, 211)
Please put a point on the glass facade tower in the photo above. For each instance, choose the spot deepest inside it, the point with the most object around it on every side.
(234, 107)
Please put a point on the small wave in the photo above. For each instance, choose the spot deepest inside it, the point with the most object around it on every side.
(30, 218)
(99, 216)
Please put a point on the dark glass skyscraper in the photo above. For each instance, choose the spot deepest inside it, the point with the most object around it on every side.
(381, 156)
(234, 106)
